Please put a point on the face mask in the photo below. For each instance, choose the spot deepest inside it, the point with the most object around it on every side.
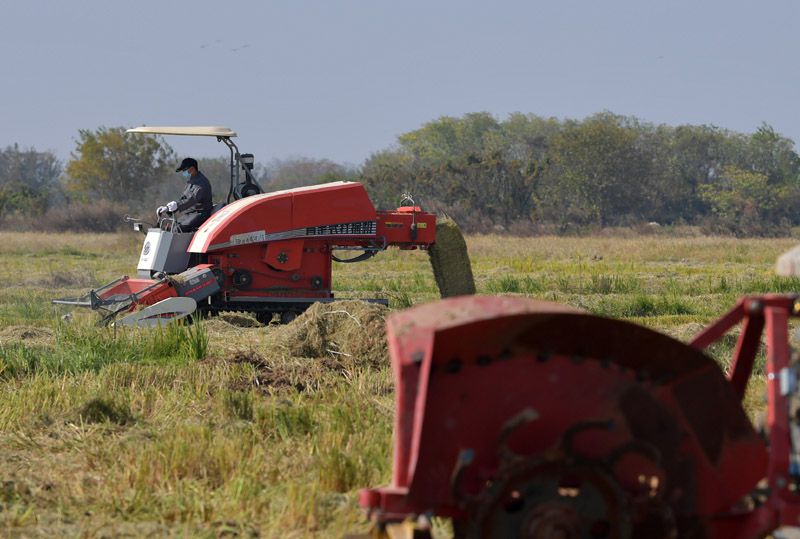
(185, 174)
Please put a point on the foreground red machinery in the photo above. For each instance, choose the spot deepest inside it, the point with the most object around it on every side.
(265, 253)
(518, 418)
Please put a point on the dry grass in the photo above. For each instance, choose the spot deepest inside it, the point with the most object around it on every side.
(66, 243)
(105, 434)
(351, 332)
(25, 334)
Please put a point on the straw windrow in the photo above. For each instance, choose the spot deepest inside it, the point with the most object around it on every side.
(350, 331)
(450, 260)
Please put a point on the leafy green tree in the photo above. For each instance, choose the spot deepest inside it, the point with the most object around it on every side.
(450, 138)
(770, 153)
(388, 174)
(109, 163)
(745, 203)
(599, 174)
(690, 157)
(300, 171)
(29, 180)
(528, 136)
(475, 168)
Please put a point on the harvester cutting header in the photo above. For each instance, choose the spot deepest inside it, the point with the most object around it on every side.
(263, 253)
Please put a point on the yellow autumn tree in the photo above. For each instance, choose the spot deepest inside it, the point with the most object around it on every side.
(109, 163)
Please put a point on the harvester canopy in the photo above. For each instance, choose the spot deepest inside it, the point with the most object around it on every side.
(238, 162)
(192, 131)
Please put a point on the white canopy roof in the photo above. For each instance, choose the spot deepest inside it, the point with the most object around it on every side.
(194, 131)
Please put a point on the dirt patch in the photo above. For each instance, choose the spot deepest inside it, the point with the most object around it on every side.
(299, 374)
(267, 375)
(352, 333)
(99, 410)
(25, 334)
(450, 260)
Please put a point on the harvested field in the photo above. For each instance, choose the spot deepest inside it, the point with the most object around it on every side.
(237, 428)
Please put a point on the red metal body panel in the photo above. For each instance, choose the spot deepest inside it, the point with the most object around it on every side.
(397, 227)
(468, 369)
(283, 211)
(306, 273)
(285, 255)
(280, 244)
(127, 287)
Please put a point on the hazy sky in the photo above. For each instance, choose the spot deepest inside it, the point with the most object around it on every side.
(341, 79)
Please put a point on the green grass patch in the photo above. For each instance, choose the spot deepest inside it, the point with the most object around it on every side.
(641, 305)
(78, 348)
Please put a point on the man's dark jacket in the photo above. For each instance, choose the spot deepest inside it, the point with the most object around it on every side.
(195, 201)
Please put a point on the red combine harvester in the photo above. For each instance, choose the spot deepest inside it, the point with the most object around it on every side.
(518, 418)
(262, 253)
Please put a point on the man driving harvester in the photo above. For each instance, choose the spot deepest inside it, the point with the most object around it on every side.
(195, 201)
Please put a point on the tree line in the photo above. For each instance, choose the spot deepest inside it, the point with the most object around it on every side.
(523, 174)
(112, 173)
(605, 170)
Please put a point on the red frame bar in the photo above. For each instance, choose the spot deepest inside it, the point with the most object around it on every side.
(770, 313)
(715, 331)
